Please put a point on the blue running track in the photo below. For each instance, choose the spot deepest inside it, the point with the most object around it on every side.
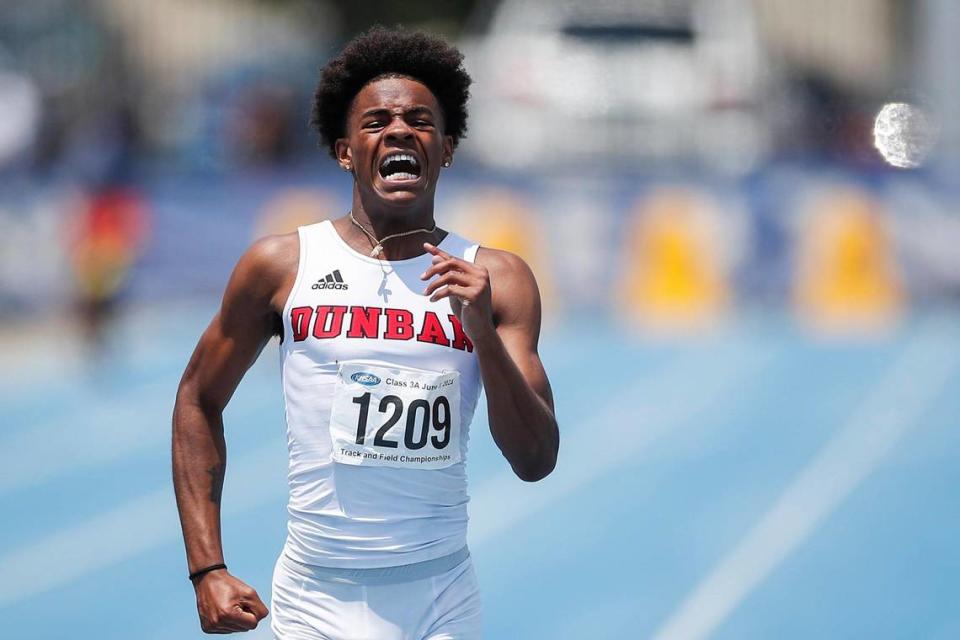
(754, 483)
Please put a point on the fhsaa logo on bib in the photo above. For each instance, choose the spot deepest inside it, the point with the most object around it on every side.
(366, 379)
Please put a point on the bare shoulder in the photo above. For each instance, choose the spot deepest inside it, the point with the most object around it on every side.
(274, 254)
(504, 266)
(516, 297)
(268, 268)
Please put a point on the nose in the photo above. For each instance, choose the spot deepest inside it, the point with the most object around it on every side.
(398, 129)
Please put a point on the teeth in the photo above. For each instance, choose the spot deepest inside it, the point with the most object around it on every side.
(401, 176)
(399, 157)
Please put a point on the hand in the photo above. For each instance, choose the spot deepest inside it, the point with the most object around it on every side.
(226, 604)
(468, 287)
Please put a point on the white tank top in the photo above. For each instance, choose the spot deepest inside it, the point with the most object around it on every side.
(379, 387)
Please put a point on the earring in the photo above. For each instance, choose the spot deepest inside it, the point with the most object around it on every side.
(446, 163)
(346, 167)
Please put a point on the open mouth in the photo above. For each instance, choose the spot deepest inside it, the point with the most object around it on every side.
(398, 167)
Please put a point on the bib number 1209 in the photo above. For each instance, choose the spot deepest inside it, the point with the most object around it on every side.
(392, 416)
(425, 422)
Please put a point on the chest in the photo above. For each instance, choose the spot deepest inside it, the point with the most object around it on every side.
(372, 312)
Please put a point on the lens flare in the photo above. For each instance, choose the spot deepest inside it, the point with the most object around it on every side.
(904, 134)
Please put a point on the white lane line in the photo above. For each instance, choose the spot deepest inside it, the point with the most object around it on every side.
(253, 479)
(84, 439)
(105, 432)
(889, 411)
(150, 520)
(661, 400)
(38, 351)
(646, 411)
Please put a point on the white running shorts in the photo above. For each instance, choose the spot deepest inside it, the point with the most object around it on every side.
(309, 605)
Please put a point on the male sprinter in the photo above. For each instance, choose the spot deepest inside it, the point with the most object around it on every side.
(388, 327)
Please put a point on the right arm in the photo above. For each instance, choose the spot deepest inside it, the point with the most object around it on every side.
(246, 321)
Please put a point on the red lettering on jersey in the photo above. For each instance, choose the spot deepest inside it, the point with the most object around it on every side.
(364, 322)
(432, 330)
(328, 322)
(399, 324)
(300, 322)
(335, 314)
(460, 339)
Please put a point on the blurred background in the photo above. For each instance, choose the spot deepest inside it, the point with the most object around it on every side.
(744, 216)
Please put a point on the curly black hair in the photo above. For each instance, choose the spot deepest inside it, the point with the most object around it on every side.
(382, 52)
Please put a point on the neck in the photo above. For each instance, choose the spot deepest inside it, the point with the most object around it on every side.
(382, 222)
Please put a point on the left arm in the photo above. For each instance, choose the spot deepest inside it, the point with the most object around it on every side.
(503, 322)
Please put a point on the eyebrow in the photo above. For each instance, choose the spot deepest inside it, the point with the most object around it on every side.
(380, 110)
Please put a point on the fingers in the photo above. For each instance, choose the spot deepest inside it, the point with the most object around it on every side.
(443, 261)
(464, 280)
(224, 625)
(255, 606)
(235, 608)
(459, 292)
(232, 621)
(437, 251)
(244, 620)
(247, 613)
(442, 265)
(450, 277)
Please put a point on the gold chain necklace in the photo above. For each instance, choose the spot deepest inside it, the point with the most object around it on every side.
(379, 243)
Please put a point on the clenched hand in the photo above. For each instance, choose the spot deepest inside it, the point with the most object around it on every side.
(227, 605)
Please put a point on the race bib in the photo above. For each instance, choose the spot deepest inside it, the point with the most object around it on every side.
(396, 417)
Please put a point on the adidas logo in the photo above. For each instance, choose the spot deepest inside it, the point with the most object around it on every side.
(331, 281)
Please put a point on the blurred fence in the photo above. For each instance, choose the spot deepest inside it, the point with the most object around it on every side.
(671, 163)
(831, 244)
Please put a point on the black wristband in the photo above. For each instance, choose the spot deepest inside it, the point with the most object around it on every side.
(196, 574)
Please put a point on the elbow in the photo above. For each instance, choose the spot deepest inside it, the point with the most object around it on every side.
(542, 463)
(537, 468)
(191, 394)
(533, 475)
(192, 410)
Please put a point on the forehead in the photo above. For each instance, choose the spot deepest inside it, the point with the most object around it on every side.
(394, 93)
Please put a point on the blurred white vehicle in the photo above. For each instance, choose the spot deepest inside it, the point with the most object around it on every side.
(616, 81)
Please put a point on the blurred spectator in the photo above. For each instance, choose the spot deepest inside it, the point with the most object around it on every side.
(264, 128)
(105, 238)
(19, 115)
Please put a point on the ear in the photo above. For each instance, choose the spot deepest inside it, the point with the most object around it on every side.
(448, 149)
(344, 155)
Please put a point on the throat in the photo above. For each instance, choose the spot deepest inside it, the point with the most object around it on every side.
(390, 240)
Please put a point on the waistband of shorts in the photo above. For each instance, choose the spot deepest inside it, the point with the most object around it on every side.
(378, 575)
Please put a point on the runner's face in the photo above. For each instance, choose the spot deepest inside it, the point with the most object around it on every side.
(395, 144)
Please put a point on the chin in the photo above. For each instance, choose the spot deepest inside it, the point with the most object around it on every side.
(402, 202)
(401, 196)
